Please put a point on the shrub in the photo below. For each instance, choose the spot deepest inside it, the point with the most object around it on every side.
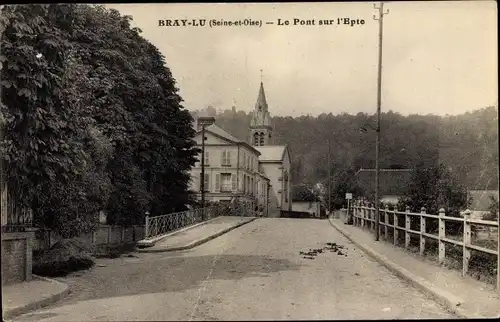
(66, 256)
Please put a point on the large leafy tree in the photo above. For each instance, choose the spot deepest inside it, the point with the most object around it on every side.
(93, 118)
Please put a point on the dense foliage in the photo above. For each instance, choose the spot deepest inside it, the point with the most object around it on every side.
(92, 117)
(434, 187)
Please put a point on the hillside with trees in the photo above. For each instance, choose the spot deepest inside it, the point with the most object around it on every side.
(467, 144)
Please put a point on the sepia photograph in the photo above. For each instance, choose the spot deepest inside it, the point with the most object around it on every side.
(249, 161)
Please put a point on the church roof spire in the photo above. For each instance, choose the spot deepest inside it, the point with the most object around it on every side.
(261, 104)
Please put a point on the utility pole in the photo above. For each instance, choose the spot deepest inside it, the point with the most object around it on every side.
(329, 181)
(380, 20)
(204, 121)
(202, 172)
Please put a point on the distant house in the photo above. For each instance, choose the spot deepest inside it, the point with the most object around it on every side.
(304, 200)
(392, 182)
(481, 200)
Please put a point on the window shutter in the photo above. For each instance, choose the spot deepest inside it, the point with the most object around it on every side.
(223, 157)
(217, 182)
(228, 157)
(207, 182)
(233, 181)
(207, 158)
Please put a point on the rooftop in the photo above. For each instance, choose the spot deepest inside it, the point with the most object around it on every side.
(271, 152)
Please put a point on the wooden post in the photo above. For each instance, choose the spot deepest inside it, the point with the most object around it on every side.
(109, 234)
(372, 216)
(363, 216)
(441, 235)
(386, 221)
(122, 237)
(466, 242)
(396, 225)
(407, 227)
(93, 237)
(422, 231)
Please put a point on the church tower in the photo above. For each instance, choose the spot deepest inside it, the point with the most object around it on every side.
(260, 125)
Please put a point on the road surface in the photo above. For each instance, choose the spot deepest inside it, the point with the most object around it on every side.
(254, 272)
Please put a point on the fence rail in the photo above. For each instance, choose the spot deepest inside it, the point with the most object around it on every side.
(160, 225)
(364, 216)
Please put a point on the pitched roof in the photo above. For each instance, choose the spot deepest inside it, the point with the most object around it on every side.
(217, 130)
(214, 128)
(391, 181)
(261, 99)
(271, 152)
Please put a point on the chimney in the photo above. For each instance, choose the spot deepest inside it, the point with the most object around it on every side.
(207, 121)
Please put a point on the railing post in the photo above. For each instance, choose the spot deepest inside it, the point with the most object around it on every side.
(407, 227)
(146, 226)
(386, 221)
(441, 236)
(396, 225)
(422, 231)
(466, 242)
(372, 217)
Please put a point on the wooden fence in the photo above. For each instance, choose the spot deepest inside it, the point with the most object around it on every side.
(400, 222)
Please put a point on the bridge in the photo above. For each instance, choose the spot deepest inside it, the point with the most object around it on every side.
(272, 268)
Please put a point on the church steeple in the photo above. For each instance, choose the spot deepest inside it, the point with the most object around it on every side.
(260, 125)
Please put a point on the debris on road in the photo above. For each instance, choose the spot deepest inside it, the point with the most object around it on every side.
(332, 247)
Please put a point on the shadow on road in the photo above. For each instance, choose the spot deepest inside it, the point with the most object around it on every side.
(174, 274)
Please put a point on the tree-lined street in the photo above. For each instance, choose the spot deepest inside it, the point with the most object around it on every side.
(251, 273)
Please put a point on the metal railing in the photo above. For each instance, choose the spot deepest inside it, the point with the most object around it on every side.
(17, 218)
(364, 216)
(160, 225)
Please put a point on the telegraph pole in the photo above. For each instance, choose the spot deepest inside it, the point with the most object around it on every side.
(329, 181)
(380, 20)
(202, 172)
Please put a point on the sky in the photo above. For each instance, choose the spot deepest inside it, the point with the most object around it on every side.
(438, 57)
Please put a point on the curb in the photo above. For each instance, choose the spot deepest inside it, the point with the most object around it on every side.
(450, 301)
(196, 242)
(151, 242)
(14, 312)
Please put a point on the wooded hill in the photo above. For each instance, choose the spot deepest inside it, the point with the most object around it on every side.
(466, 143)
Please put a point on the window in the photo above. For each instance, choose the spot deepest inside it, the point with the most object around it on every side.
(233, 181)
(256, 138)
(244, 183)
(226, 182)
(226, 158)
(206, 182)
(207, 158)
(261, 138)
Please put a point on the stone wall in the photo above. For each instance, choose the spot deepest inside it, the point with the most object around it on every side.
(16, 257)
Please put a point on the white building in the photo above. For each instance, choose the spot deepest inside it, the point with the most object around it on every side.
(258, 173)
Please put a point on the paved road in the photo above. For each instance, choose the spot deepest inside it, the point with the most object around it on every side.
(253, 272)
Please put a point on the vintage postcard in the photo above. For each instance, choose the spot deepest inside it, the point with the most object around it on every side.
(249, 161)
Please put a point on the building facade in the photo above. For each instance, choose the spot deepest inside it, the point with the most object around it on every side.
(231, 170)
(257, 173)
(274, 159)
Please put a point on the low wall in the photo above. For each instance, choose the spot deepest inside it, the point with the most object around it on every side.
(103, 235)
(16, 257)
